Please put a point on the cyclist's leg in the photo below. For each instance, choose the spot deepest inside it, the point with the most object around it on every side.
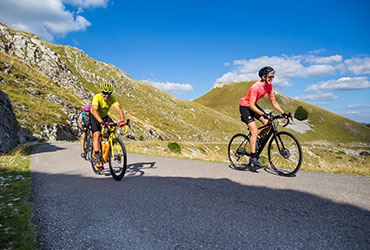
(254, 133)
(96, 144)
(83, 135)
(95, 128)
(248, 116)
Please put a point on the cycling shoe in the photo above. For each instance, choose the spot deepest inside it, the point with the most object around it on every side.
(255, 162)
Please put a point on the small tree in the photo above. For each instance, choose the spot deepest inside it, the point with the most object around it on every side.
(174, 147)
(301, 114)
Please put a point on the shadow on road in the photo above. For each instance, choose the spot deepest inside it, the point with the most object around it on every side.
(134, 169)
(46, 148)
(255, 169)
(137, 169)
(188, 213)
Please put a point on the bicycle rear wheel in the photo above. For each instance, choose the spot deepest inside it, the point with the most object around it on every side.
(87, 148)
(239, 151)
(117, 159)
(285, 154)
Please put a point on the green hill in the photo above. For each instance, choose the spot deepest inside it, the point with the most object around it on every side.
(321, 124)
(49, 84)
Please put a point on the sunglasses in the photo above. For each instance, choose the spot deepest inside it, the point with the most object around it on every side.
(106, 93)
(270, 77)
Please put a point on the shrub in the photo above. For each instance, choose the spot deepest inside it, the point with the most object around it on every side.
(301, 114)
(174, 147)
(365, 153)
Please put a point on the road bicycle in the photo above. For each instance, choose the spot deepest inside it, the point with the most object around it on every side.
(88, 143)
(112, 151)
(284, 150)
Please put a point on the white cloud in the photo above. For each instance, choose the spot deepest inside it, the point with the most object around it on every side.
(352, 113)
(46, 18)
(318, 51)
(87, 3)
(358, 106)
(358, 66)
(177, 88)
(324, 60)
(286, 67)
(319, 96)
(317, 70)
(344, 83)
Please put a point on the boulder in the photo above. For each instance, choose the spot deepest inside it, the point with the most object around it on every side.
(8, 125)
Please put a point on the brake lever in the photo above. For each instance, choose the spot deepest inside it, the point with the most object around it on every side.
(287, 122)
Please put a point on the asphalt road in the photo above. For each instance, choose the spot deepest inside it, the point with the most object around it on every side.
(167, 203)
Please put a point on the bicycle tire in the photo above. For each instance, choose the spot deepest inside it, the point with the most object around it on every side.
(117, 163)
(288, 159)
(239, 151)
(92, 161)
(87, 148)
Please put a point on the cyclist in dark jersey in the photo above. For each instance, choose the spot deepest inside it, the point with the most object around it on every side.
(249, 109)
(83, 124)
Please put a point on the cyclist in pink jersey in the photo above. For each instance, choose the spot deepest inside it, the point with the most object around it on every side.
(249, 109)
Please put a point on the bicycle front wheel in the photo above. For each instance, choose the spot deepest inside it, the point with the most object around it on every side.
(117, 159)
(239, 151)
(285, 153)
(87, 148)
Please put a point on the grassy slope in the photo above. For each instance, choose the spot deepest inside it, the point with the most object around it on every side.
(175, 119)
(27, 89)
(327, 126)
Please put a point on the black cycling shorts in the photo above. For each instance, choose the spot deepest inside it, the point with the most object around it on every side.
(95, 125)
(247, 115)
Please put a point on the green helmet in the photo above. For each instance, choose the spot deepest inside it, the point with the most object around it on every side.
(106, 87)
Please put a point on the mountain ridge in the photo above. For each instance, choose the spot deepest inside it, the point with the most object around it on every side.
(324, 124)
(62, 79)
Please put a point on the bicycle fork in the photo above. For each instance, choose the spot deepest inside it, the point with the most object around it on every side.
(281, 148)
(115, 152)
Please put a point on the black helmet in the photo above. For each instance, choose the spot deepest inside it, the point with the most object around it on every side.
(266, 71)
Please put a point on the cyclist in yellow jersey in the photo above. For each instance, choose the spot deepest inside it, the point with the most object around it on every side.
(101, 104)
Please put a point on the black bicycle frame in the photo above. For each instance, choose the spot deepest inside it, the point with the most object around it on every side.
(267, 138)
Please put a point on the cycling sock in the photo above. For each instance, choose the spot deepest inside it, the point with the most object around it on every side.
(253, 155)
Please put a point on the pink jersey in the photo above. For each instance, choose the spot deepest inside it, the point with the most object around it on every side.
(256, 92)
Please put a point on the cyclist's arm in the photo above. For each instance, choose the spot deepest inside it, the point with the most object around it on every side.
(276, 105)
(80, 123)
(120, 112)
(94, 111)
(254, 108)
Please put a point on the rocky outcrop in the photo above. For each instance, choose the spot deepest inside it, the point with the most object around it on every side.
(8, 125)
(33, 51)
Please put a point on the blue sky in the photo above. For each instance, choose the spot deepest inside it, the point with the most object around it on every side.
(320, 49)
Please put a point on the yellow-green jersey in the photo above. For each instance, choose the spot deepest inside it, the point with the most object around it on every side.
(104, 106)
